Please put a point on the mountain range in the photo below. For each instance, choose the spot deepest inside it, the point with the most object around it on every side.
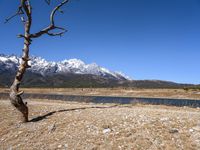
(71, 73)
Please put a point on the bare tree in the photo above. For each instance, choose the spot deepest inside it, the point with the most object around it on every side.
(25, 12)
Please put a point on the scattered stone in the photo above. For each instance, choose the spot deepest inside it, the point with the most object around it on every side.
(191, 130)
(10, 148)
(173, 130)
(108, 130)
(66, 145)
(141, 127)
(52, 128)
(197, 128)
(164, 119)
(18, 125)
(16, 135)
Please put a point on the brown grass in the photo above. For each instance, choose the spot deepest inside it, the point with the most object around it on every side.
(127, 92)
(67, 125)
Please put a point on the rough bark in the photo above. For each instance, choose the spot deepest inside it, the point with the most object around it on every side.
(15, 94)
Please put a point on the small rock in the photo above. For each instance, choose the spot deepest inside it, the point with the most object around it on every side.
(10, 148)
(66, 145)
(59, 146)
(164, 119)
(18, 126)
(52, 128)
(191, 130)
(16, 135)
(197, 128)
(106, 130)
(174, 130)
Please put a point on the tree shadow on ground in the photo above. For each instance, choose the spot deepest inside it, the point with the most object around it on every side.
(42, 117)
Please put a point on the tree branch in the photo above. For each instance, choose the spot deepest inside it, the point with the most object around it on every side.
(57, 34)
(52, 24)
(19, 12)
(48, 1)
(27, 8)
(44, 31)
(56, 9)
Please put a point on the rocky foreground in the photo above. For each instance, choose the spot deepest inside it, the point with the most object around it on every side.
(66, 125)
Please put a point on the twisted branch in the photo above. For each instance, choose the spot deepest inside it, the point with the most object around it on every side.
(52, 24)
(19, 12)
(48, 1)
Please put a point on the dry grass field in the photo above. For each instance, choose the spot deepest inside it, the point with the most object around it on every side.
(67, 125)
(73, 125)
(155, 93)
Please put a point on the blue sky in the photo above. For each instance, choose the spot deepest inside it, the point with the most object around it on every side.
(145, 39)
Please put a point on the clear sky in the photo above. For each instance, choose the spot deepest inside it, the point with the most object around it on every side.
(145, 39)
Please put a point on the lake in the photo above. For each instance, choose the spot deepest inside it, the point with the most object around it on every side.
(108, 99)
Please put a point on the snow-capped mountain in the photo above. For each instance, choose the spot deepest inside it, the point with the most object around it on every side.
(72, 73)
(46, 68)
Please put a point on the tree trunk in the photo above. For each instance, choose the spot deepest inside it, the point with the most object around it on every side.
(15, 94)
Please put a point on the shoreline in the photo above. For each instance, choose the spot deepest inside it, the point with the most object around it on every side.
(116, 92)
(110, 99)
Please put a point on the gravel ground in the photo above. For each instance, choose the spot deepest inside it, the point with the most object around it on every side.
(66, 125)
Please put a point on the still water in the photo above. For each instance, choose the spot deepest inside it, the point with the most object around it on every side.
(116, 100)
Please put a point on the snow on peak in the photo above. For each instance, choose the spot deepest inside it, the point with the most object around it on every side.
(9, 58)
(123, 75)
(76, 63)
(44, 67)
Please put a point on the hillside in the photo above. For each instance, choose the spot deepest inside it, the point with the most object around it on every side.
(65, 125)
(72, 73)
(82, 81)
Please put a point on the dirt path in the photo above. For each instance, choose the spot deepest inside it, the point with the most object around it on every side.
(66, 125)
